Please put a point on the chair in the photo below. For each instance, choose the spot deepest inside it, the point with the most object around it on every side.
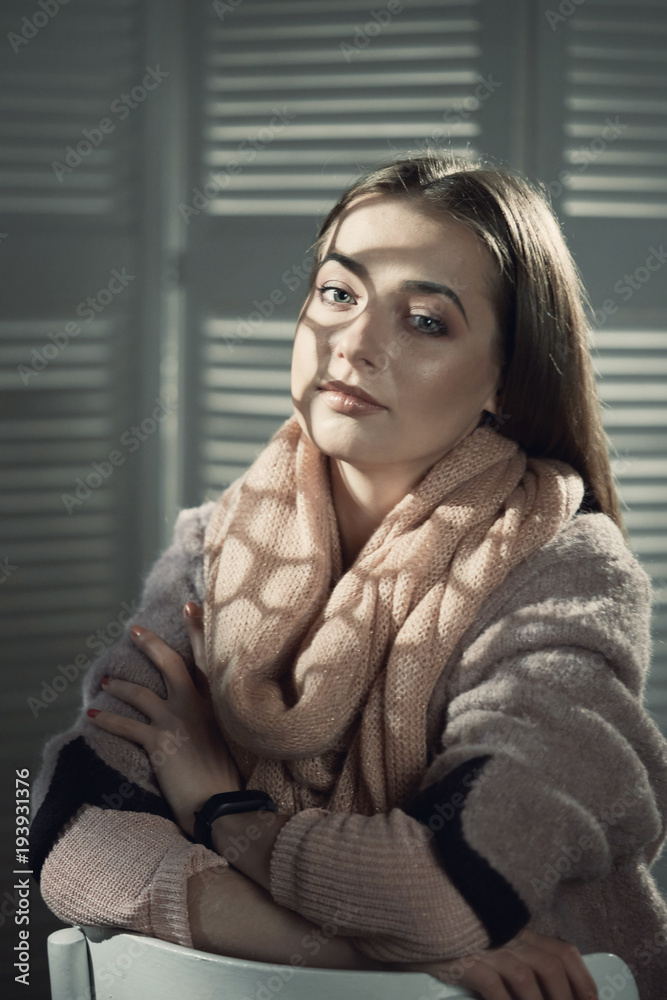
(96, 963)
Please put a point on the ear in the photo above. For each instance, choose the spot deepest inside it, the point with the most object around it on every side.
(492, 403)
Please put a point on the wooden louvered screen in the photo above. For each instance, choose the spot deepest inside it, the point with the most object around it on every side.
(617, 74)
(297, 98)
(72, 291)
(632, 365)
(302, 97)
(74, 339)
(602, 149)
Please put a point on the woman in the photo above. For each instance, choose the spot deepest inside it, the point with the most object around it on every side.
(424, 641)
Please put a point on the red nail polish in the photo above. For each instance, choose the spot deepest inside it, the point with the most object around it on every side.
(138, 631)
(105, 681)
(92, 712)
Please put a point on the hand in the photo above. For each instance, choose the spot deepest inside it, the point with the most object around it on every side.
(182, 738)
(529, 967)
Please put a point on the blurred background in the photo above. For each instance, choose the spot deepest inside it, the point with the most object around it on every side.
(163, 169)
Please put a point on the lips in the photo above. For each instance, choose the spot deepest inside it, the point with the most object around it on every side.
(350, 390)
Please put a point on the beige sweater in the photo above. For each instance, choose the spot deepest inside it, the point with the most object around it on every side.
(544, 803)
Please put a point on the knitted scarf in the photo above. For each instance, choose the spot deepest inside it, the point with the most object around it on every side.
(321, 679)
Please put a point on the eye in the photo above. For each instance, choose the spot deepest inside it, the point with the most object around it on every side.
(339, 296)
(432, 325)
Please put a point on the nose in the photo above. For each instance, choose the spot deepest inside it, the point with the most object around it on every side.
(362, 340)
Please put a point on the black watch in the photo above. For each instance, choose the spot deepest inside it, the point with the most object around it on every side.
(247, 800)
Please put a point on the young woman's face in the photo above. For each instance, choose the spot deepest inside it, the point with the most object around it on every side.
(401, 308)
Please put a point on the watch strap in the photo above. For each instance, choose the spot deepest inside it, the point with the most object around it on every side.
(224, 803)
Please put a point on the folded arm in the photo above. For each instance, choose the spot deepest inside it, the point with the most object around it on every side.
(104, 843)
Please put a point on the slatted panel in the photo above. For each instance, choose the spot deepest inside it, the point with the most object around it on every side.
(297, 99)
(617, 73)
(601, 124)
(63, 422)
(55, 87)
(66, 580)
(66, 334)
(632, 369)
(299, 96)
(245, 397)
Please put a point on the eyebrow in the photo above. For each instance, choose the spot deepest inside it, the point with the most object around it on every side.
(428, 287)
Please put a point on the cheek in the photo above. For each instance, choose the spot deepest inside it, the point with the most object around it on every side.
(304, 357)
(438, 385)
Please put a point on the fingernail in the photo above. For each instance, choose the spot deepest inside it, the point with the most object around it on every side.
(138, 631)
(105, 681)
(92, 712)
(192, 610)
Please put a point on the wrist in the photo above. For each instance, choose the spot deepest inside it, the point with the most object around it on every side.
(224, 803)
(246, 841)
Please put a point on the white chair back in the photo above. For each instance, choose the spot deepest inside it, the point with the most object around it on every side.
(95, 963)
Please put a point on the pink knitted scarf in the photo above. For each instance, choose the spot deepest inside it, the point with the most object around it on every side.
(321, 679)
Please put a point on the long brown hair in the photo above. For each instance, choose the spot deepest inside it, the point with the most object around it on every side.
(548, 401)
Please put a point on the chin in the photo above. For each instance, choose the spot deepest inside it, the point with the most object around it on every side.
(347, 444)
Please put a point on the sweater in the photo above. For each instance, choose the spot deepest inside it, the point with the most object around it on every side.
(543, 805)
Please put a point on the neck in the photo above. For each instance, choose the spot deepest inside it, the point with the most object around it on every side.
(362, 497)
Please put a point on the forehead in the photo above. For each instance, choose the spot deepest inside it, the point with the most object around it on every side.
(402, 234)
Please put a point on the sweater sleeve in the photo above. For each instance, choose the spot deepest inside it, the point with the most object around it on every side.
(549, 770)
(104, 845)
(374, 879)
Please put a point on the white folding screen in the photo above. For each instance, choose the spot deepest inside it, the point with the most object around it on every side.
(601, 147)
(70, 196)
